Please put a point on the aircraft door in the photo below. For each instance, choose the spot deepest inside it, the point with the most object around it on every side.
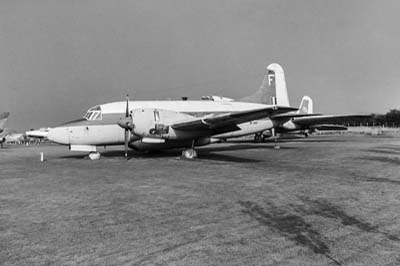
(159, 128)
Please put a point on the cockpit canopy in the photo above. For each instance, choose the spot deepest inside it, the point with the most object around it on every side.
(93, 113)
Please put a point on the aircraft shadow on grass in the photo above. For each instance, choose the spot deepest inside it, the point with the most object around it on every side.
(244, 146)
(295, 140)
(393, 151)
(289, 222)
(383, 155)
(382, 159)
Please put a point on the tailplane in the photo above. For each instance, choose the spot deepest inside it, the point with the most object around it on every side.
(306, 106)
(273, 88)
(3, 119)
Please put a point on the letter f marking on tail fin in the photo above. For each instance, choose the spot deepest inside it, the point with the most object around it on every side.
(271, 79)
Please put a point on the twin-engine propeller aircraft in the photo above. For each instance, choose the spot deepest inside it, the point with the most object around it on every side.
(3, 120)
(156, 125)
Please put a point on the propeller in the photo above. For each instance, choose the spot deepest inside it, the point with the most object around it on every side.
(126, 123)
(126, 129)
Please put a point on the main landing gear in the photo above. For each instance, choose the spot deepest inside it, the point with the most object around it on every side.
(276, 146)
(258, 137)
(189, 153)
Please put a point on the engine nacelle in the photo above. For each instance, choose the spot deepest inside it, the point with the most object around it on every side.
(155, 123)
(170, 144)
(289, 125)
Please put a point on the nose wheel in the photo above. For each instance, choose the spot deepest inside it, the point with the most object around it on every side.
(94, 156)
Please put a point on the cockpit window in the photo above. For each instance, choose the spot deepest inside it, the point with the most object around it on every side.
(93, 113)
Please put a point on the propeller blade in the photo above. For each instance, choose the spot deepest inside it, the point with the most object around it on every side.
(126, 126)
(127, 106)
(126, 142)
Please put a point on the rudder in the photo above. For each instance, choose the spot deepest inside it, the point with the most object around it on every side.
(273, 88)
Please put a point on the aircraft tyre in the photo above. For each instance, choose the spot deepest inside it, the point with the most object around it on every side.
(189, 153)
(94, 156)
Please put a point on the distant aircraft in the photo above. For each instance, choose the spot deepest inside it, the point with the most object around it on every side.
(36, 135)
(40, 133)
(3, 120)
(149, 125)
(16, 138)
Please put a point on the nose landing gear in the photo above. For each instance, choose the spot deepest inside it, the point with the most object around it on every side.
(94, 156)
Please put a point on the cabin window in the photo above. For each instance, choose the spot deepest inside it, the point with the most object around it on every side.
(93, 113)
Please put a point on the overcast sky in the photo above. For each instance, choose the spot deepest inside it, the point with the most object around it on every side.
(58, 58)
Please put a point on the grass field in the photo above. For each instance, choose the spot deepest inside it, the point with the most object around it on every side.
(325, 200)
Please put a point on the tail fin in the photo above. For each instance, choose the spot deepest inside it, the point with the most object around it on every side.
(3, 119)
(306, 106)
(273, 88)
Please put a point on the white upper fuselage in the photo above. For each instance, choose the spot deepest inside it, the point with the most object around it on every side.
(197, 108)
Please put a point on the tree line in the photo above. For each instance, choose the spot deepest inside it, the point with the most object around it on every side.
(390, 119)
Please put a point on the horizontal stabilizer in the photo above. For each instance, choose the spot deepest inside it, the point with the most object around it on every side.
(4, 115)
(3, 119)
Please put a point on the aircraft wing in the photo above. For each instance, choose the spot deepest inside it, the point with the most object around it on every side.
(326, 119)
(288, 116)
(229, 121)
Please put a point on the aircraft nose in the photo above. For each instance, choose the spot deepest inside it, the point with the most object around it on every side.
(58, 135)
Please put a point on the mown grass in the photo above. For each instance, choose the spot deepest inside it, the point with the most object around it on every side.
(318, 201)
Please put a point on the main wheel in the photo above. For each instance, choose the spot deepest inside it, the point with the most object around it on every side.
(189, 153)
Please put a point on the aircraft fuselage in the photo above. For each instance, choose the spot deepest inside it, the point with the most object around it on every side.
(99, 126)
